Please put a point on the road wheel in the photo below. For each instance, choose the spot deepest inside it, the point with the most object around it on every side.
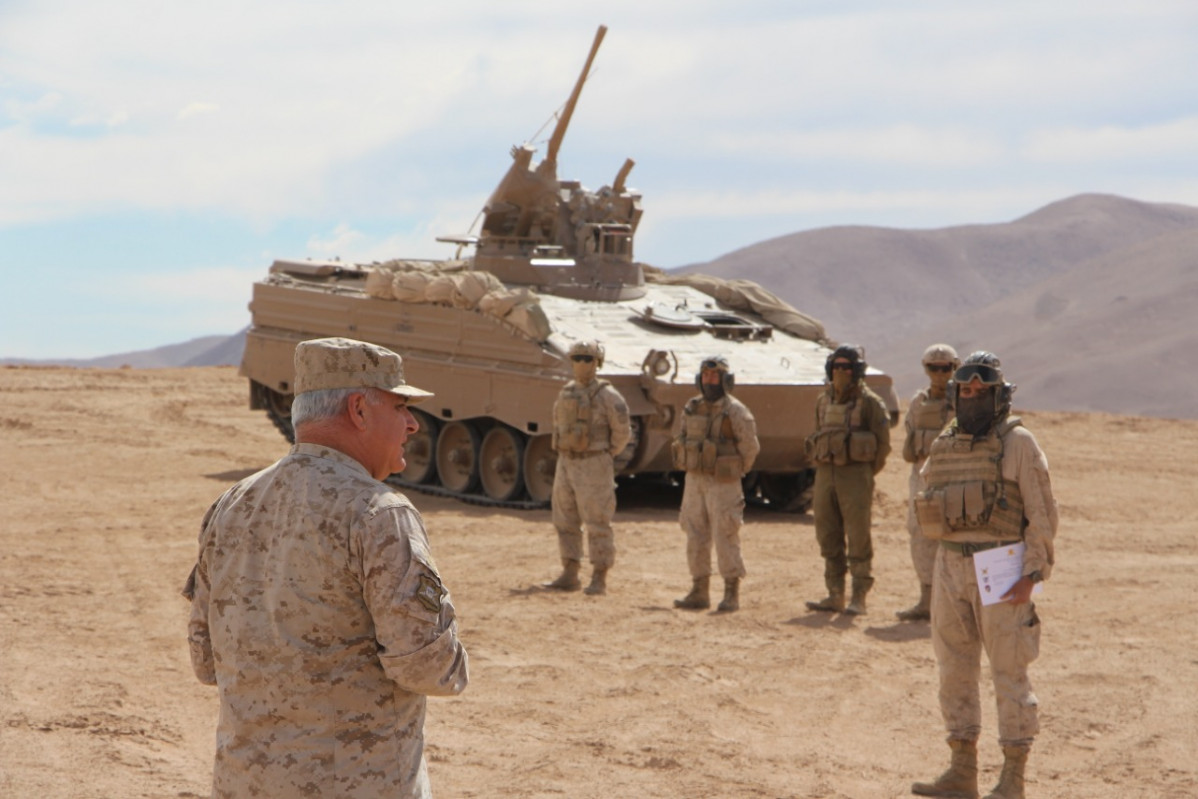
(501, 463)
(457, 456)
(421, 449)
(539, 463)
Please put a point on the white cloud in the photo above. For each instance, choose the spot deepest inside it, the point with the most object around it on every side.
(991, 204)
(196, 109)
(1172, 140)
(904, 144)
(209, 286)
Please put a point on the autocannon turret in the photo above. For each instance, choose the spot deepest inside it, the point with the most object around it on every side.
(554, 235)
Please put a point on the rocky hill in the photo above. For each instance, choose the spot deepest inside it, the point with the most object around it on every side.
(1087, 300)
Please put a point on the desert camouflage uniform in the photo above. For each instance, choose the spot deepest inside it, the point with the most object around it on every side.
(843, 496)
(318, 612)
(926, 417)
(584, 482)
(712, 506)
(1010, 634)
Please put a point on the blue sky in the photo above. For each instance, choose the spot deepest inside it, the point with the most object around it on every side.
(155, 157)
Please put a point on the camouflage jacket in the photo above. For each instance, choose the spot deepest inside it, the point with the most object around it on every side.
(318, 612)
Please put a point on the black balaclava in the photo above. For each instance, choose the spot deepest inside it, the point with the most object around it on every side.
(975, 415)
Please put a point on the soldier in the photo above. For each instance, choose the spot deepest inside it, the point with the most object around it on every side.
(716, 448)
(590, 428)
(928, 413)
(316, 608)
(987, 486)
(849, 446)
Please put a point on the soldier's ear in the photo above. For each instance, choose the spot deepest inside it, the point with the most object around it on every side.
(355, 409)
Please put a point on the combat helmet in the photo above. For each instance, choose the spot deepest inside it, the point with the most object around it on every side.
(588, 347)
(986, 367)
(851, 352)
(719, 364)
(941, 353)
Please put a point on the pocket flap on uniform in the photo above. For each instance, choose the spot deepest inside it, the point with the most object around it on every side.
(974, 502)
(954, 503)
(929, 512)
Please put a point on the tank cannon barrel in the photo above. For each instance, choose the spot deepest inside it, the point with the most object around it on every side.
(563, 122)
(618, 184)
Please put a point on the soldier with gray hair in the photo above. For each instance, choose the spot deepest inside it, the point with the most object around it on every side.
(928, 413)
(716, 447)
(316, 607)
(590, 428)
(987, 487)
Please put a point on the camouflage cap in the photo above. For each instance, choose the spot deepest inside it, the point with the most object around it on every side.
(328, 363)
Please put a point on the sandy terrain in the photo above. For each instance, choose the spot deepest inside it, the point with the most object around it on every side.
(105, 475)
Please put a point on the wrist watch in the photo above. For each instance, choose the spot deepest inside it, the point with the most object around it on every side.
(1035, 577)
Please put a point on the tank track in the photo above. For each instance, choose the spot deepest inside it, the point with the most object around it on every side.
(284, 426)
(473, 499)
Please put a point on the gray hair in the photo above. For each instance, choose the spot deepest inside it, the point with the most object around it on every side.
(317, 406)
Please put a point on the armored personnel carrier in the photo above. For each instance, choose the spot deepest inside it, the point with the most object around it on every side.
(552, 264)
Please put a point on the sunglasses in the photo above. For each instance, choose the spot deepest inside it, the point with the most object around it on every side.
(987, 374)
(582, 358)
(842, 365)
(942, 368)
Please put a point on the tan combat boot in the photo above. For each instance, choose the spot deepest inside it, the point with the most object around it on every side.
(834, 601)
(731, 596)
(698, 598)
(857, 603)
(921, 610)
(961, 779)
(1010, 782)
(598, 586)
(568, 581)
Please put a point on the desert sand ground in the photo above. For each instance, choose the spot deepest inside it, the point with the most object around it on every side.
(105, 475)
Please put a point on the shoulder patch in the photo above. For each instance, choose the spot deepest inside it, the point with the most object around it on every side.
(428, 593)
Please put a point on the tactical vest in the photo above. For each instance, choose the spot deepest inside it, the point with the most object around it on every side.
(841, 436)
(928, 421)
(578, 420)
(707, 443)
(966, 492)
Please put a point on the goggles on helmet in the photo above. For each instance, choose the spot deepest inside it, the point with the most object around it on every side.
(714, 365)
(987, 374)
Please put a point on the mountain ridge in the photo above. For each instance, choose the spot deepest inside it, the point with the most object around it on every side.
(1087, 300)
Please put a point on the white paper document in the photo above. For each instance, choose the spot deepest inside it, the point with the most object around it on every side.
(997, 570)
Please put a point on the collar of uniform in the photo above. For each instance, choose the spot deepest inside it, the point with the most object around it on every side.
(328, 453)
(852, 392)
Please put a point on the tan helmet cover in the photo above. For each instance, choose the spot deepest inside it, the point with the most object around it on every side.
(589, 347)
(940, 353)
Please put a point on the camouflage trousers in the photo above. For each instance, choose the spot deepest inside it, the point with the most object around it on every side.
(961, 628)
(712, 512)
(923, 549)
(584, 495)
(842, 505)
